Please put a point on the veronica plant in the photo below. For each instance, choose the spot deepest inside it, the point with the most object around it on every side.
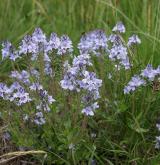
(40, 51)
(27, 85)
(56, 82)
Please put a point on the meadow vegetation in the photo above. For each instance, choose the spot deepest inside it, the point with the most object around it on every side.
(79, 82)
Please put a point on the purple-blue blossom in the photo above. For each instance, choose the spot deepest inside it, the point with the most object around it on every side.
(3, 90)
(93, 42)
(45, 100)
(43, 107)
(38, 36)
(8, 51)
(115, 39)
(48, 69)
(39, 119)
(65, 45)
(28, 45)
(72, 74)
(135, 82)
(23, 76)
(15, 93)
(69, 80)
(21, 97)
(89, 110)
(134, 39)
(36, 86)
(82, 61)
(120, 53)
(90, 82)
(149, 72)
(54, 42)
(78, 78)
(119, 27)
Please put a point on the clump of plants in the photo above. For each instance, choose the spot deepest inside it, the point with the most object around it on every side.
(80, 104)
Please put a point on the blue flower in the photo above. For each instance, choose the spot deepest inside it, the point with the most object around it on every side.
(28, 45)
(120, 53)
(93, 42)
(119, 27)
(135, 82)
(65, 46)
(89, 110)
(38, 36)
(54, 42)
(149, 72)
(134, 39)
(8, 51)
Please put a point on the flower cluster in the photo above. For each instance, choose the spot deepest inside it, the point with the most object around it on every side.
(37, 46)
(91, 84)
(21, 90)
(119, 27)
(134, 39)
(93, 42)
(22, 77)
(8, 51)
(15, 93)
(96, 42)
(150, 73)
(119, 50)
(135, 82)
(38, 42)
(39, 119)
(70, 80)
(89, 110)
(78, 75)
(147, 75)
(26, 85)
(78, 78)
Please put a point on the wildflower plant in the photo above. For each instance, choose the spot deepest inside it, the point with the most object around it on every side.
(58, 99)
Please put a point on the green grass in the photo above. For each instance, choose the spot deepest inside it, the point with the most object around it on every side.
(128, 131)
